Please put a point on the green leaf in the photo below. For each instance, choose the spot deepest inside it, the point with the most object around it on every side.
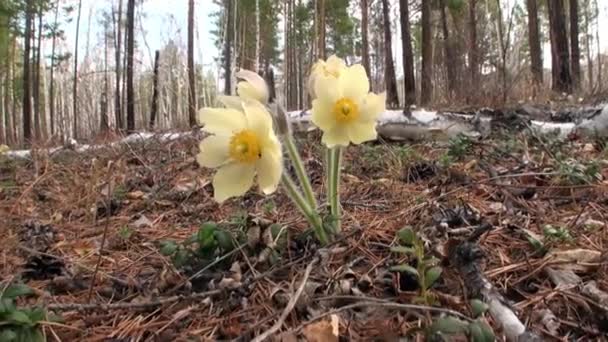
(36, 315)
(481, 332)
(206, 235)
(403, 249)
(405, 268)
(18, 317)
(8, 335)
(431, 276)
(224, 240)
(6, 305)
(181, 258)
(168, 247)
(16, 290)
(487, 331)
(478, 307)
(449, 325)
(407, 236)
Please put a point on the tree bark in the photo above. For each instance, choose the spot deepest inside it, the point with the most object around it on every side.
(130, 51)
(191, 73)
(52, 80)
(575, 52)
(365, 37)
(104, 120)
(228, 43)
(560, 54)
(390, 78)
(599, 50)
(409, 80)
(75, 85)
(8, 97)
(321, 29)
(36, 75)
(426, 84)
(588, 45)
(536, 62)
(154, 110)
(473, 50)
(27, 104)
(117, 94)
(448, 57)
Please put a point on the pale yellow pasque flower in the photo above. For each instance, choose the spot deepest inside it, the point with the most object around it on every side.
(243, 144)
(344, 109)
(331, 68)
(4, 149)
(252, 87)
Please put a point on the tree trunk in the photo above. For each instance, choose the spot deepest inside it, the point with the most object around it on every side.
(390, 78)
(364, 37)
(536, 62)
(599, 50)
(321, 53)
(560, 54)
(256, 64)
(104, 120)
(575, 52)
(228, 43)
(588, 45)
(130, 50)
(154, 109)
(448, 57)
(75, 85)
(52, 85)
(191, 73)
(36, 75)
(117, 95)
(426, 83)
(408, 57)
(473, 51)
(27, 104)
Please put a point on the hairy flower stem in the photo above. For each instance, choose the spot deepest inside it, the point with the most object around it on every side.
(335, 160)
(292, 150)
(311, 215)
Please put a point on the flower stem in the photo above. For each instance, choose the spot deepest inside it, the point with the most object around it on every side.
(334, 186)
(311, 215)
(292, 150)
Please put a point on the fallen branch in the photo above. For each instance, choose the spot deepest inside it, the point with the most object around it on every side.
(465, 257)
(290, 305)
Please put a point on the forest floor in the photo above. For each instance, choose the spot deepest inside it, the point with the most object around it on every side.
(529, 205)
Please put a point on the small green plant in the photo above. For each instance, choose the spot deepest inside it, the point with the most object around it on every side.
(269, 206)
(574, 172)
(476, 330)
(125, 233)
(557, 233)
(426, 271)
(445, 160)
(459, 146)
(17, 323)
(207, 243)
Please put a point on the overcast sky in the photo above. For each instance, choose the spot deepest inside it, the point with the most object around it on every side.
(166, 19)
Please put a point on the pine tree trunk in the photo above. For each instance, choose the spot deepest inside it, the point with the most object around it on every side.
(75, 85)
(104, 120)
(448, 57)
(473, 51)
(560, 54)
(228, 43)
(154, 107)
(130, 51)
(408, 56)
(117, 95)
(390, 78)
(536, 62)
(8, 97)
(191, 73)
(52, 85)
(426, 83)
(588, 45)
(320, 12)
(599, 50)
(27, 104)
(36, 95)
(364, 37)
(575, 52)
(256, 64)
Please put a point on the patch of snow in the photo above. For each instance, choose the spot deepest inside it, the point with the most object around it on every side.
(563, 128)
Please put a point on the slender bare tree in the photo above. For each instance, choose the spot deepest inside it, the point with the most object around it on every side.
(426, 83)
(27, 100)
(408, 55)
(130, 51)
(75, 85)
(191, 73)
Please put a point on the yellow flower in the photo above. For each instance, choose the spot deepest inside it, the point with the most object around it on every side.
(331, 68)
(243, 144)
(344, 110)
(4, 149)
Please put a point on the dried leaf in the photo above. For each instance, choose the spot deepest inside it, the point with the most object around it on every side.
(142, 221)
(323, 331)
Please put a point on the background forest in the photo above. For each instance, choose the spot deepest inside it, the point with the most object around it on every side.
(436, 53)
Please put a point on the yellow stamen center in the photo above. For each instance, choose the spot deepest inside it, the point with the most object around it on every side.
(245, 147)
(345, 110)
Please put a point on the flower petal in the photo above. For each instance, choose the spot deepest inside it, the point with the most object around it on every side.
(334, 63)
(269, 169)
(232, 180)
(359, 132)
(322, 115)
(254, 86)
(213, 151)
(327, 88)
(354, 82)
(338, 135)
(258, 118)
(233, 102)
(372, 106)
(222, 121)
